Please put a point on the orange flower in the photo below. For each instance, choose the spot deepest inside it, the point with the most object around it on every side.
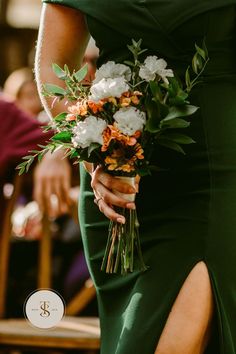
(124, 158)
(135, 100)
(112, 100)
(135, 97)
(95, 106)
(130, 97)
(113, 133)
(70, 117)
(125, 101)
(137, 93)
(79, 108)
(139, 151)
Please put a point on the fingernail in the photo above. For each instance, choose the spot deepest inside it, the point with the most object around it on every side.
(121, 220)
(130, 206)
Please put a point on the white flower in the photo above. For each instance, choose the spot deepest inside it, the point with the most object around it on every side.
(111, 70)
(129, 120)
(88, 131)
(154, 66)
(108, 88)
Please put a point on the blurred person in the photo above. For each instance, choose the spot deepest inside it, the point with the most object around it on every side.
(20, 87)
(19, 134)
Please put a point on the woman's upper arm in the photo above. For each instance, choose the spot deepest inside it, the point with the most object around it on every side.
(63, 37)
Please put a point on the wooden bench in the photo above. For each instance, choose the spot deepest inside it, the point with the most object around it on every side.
(73, 332)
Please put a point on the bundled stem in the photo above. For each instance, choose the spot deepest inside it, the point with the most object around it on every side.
(122, 244)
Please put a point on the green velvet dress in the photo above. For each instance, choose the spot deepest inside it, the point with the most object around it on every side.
(187, 211)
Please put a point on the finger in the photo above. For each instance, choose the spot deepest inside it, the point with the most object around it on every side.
(109, 212)
(111, 182)
(112, 199)
(65, 190)
(48, 191)
(37, 193)
(62, 206)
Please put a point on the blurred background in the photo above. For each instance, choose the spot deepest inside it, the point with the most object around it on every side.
(21, 220)
(19, 20)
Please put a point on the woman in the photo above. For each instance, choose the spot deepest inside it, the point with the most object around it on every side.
(184, 303)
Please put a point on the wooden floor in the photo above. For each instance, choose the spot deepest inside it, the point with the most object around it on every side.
(71, 333)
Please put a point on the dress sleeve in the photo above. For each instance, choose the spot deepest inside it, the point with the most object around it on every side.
(76, 4)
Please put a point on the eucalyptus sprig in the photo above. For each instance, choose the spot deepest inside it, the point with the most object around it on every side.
(73, 86)
(199, 62)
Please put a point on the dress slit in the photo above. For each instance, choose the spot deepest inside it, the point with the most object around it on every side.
(216, 322)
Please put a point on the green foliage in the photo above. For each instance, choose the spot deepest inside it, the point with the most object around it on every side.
(180, 111)
(175, 123)
(64, 137)
(81, 73)
(166, 105)
(169, 143)
(60, 117)
(54, 90)
(60, 73)
(199, 62)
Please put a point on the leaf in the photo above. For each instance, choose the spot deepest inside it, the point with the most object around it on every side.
(81, 73)
(73, 153)
(54, 89)
(204, 47)
(200, 51)
(27, 157)
(47, 128)
(130, 63)
(60, 73)
(153, 113)
(180, 111)
(62, 136)
(155, 90)
(22, 170)
(174, 124)
(179, 138)
(178, 100)
(187, 78)
(173, 87)
(40, 156)
(92, 147)
(170, 144)
(60, 117)
(144, 171)
(197, 63)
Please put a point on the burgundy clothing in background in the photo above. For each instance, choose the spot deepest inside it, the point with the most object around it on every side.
(19, 133)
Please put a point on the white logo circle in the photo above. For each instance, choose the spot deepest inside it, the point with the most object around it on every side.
(44, 308)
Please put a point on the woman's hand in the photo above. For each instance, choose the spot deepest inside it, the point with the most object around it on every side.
(52, 177)
(104, 186)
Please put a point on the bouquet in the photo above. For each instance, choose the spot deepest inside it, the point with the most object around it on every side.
(116, 121)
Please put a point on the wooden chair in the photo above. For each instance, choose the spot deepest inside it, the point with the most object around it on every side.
(73, 332)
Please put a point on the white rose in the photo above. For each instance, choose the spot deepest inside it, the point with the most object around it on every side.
(88, 131)
(154, 66)
(108, 88)
(129, 120)
(111, 70)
